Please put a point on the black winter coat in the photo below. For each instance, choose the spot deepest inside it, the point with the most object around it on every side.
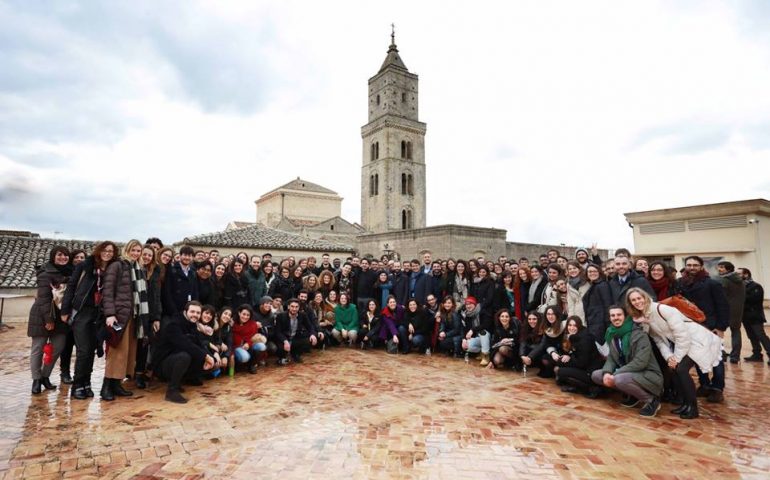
(80, 287)
(400, 288)
(753, 311)
(538, 296)
(237, 291)
(709, 296)
(583, 354)
(178, 289)
(179, 335)
(633, 280)
(596, 303)
(40, 314)
(305, 327)
(421, 321)
(484, 291)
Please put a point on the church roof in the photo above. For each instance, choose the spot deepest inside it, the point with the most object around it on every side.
(300, 184)
(260, 236)
(393, 58)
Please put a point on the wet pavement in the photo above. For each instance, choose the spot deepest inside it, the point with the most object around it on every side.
(347, 413)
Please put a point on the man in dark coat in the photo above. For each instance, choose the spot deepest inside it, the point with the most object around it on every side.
(178, 354)
(754, 318)
(419, 282)
(626, 278)
(181, 285)
(698, 287)
(294, 332)
(400, 281)
(365, 289)
(735, 291)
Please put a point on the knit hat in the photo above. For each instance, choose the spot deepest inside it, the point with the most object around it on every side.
(471, 299)
(581, 250)
(265, 300)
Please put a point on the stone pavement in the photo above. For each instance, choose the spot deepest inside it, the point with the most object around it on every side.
(346, 413)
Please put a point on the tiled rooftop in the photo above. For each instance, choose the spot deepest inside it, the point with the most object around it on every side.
(259, 236)
(20, 255)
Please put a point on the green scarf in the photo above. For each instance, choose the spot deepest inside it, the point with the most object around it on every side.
(624, 332)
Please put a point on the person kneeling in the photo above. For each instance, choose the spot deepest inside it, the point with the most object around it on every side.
(295, 333)
(178, 355)
(248, 342)
(631, 366)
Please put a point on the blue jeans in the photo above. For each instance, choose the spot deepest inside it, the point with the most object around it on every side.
(243, 356)
(419, 341)
(479, 344)
(717, 381)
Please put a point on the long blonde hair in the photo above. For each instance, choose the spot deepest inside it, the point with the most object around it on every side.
(127, 249)
(633, 311)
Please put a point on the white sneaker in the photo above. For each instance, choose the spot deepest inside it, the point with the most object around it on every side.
(427, 352)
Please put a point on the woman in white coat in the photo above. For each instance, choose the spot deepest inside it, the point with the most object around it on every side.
(682, 343)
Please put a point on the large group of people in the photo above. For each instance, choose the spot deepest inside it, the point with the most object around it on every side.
(593, 326)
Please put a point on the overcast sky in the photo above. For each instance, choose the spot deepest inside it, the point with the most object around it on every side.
(548, 119)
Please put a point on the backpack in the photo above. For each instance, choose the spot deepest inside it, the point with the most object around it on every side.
(686, 307)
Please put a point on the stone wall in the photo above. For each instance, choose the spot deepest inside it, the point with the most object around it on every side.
(443, 241)
(278, 255)
(516, 250)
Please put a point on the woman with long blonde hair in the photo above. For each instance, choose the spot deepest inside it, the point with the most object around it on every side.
(681, 341)
(126, 309)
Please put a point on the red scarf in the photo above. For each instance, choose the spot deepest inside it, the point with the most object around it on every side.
(660, 287)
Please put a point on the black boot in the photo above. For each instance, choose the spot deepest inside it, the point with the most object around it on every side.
(47, 383)
(36, 386)
(107, 393)
(66, 378)
(78, 392)
(681, 408)
(174, 395)
(690, 412)
(141, 381)
(89, 392)
(117, 388)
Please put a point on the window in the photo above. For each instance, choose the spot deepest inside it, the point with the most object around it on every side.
(374, 154)
(376, 183)
(409, 184)
(408, 150)
(403, 184)
(371, 185)
(406, 219)
(378, 99)
(403, 97)
(331, 227)
(403, 149)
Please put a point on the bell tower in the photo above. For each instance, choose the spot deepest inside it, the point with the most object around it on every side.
(393, 169)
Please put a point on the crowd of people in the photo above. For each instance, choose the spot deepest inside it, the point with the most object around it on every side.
(592, 325)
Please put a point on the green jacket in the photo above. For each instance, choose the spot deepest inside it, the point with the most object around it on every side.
(346, 318)
(640, 363)
(256, 284)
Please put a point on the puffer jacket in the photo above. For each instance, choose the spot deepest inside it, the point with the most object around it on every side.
(667, 325)
(40, 313)
(117, 295)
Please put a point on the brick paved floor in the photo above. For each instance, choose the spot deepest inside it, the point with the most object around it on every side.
(353, 414)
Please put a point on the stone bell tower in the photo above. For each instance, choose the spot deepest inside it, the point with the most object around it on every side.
(393, 170)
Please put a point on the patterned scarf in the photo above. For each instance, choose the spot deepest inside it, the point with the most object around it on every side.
(141, 303)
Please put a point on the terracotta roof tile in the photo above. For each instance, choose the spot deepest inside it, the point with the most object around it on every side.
(20, 255)
(259, 236)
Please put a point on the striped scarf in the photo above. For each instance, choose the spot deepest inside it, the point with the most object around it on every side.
(141, 302)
